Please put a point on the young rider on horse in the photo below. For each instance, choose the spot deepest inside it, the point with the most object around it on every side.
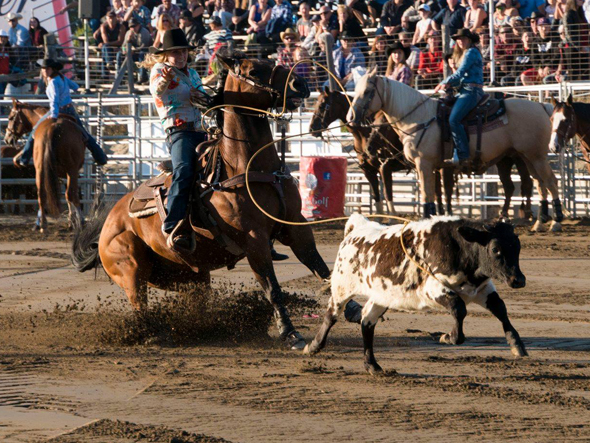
(469, 78)
(60, 102)
(175, 87)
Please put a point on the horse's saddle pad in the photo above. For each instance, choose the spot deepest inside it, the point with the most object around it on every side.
(143, 202)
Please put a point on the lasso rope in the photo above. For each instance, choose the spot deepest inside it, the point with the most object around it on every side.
(266, 146)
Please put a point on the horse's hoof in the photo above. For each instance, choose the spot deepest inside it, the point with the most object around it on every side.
(36, 228)
(539, 227)
(390, 208)
(448, 339)
(555, 226)
(307, 350)
(519, 351)
(374, 369)
(295, 341)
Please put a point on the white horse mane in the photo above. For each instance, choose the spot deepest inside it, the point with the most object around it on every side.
(401, 99)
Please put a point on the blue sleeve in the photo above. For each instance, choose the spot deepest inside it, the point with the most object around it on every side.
(469, 59)
(53, 95)
(71, 84)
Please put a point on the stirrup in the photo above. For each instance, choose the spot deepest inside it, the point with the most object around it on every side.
(170, 241)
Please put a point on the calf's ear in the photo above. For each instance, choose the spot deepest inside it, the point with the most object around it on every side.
(473, 235)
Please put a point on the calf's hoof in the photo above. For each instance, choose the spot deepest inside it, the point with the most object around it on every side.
(555, 226)
(539, 227)
(295, 341)
(373, 368)
(449, 339)
(311, 349)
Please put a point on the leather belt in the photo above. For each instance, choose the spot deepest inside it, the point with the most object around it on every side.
(189, 126)
(473, 85)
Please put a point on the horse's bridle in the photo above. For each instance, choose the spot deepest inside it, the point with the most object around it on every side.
(17, 120)
(275, 95)
(567, 128)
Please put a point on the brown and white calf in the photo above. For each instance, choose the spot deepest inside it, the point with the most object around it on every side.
(463, 255)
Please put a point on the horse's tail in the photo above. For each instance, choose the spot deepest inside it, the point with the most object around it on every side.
(85, 243)
(48, 173)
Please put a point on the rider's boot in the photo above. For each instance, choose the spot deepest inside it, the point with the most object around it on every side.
(276, 256)
(97, 153)
(180, 239)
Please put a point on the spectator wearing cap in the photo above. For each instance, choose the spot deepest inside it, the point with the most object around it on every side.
(518, 26)
(286, 53)
(281, 18)
(545, 51)
(60, 102)
(165, 23)
(218, 34)
(430, 68)
(423, 26)
(167, 7)
(259, 16)
(346, 58)
(18, 35)
(140, 40)
(397, 68)
(347, 22)
(304, 24)
(475, 15)
(112, 33)
(452, 16)
(501, 18)
(391, 16)
(139, 12)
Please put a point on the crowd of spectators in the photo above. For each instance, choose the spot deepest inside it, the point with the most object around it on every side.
(536, 40)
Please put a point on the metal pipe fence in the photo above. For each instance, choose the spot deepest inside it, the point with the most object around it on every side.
(130, 130)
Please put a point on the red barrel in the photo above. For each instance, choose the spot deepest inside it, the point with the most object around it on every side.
(322, 185)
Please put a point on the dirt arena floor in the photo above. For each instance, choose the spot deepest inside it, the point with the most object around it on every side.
(77, 366)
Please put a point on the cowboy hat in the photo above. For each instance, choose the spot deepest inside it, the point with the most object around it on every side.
(12, 16)
(396, 46)
(289, 31)
(50, 63)
(173, 39)
(464, 32)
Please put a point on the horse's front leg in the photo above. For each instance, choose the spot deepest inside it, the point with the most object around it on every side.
(427, 186)
(260, 261)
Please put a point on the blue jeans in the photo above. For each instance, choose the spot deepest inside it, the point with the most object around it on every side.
(97, 153)
(182, 146)
(108, 56)
(466, 101)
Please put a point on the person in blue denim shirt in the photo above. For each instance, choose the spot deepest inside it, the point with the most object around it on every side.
(60, 102)
(468, 78)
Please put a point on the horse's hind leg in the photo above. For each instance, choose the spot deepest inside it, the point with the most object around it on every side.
(386, 171)
(440, 209)
(449, 185)
(73, 199)
(371, 175)
(526, 188)
(260, 261)
(41, 223)
(126, 260)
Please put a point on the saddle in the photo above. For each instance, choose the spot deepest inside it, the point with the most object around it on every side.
(151, 196)
(489, 114)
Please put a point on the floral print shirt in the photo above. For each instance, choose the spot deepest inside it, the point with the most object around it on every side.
(173, 98)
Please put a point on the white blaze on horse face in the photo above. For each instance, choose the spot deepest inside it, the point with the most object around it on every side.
(554, 146)
(357, 112)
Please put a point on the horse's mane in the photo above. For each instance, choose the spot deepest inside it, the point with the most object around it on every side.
(404, 94)
(582, 110)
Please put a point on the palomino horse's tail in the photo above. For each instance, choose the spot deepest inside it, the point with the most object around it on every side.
(85, 243)
(47, 170)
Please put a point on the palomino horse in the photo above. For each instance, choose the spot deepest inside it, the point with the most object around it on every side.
(413, 116)
(378, 151)
(133, 251)
(58, 152)
(570, 119)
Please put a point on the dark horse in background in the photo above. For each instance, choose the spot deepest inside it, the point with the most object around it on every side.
(379, 151)
(568, 120)
(58, 153)
(11, 172)
(133, 251)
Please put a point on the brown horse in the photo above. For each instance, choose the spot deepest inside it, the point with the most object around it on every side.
(133, 251)
(568, 120)
(379, 151)
(58, 152)
(526, 133)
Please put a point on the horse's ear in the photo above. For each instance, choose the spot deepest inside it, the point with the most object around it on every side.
(326, 90)
(570, 100)
(226, 60)
(14, 102)
(553, 101)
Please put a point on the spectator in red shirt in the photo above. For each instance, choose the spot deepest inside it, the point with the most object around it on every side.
(430, 68)
(504, 50)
